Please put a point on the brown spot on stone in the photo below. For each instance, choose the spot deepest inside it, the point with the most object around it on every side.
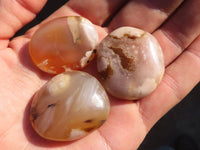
(130, 36)
(89, 129)
(106, 73)
(133, 36)
(33, 117)
(51, 105)
(102, 122)
(88, 121)
(95, 51)
(114, 37)
(127, 62)
(33, 114)
(126, 35)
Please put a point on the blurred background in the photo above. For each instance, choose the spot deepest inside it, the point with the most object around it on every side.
(183, 119)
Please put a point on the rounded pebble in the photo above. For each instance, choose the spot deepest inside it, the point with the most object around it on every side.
(63, 43)
(69, 106)
(130, 62)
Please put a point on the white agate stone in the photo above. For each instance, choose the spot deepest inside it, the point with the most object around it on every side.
(130, 62)
(69, 106)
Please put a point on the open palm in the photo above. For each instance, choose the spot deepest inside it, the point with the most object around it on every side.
(176, 25)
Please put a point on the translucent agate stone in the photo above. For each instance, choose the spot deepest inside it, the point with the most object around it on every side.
(69, 106)
(130, 62)
(63, 43)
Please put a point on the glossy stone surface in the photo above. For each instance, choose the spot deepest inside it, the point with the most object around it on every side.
(130, 62)
(63, 43)
(69, 106)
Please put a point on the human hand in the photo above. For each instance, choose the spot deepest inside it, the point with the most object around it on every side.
(129, 121)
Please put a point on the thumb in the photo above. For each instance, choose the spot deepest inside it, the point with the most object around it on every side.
(14, 14)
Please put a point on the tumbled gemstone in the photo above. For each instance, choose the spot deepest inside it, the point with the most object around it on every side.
(69, 106)
(63, 43)
(130, 62)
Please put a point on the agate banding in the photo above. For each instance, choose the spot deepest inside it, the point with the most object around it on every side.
(130, 62)
(69, 106)
(63, 43)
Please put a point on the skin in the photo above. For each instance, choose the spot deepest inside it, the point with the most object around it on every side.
(129, 121)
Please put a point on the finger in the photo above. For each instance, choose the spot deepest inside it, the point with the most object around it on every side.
(89, 9)
(61, 12)
(180, 77)
(145, 14)
(14, 15)
(96, 11)
(123, 126)
(180, 30)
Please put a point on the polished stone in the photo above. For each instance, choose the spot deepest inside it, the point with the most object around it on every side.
(63, 43)
(69, 106)
(130, 62)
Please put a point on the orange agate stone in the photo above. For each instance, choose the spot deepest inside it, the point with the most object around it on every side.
(63, 43)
